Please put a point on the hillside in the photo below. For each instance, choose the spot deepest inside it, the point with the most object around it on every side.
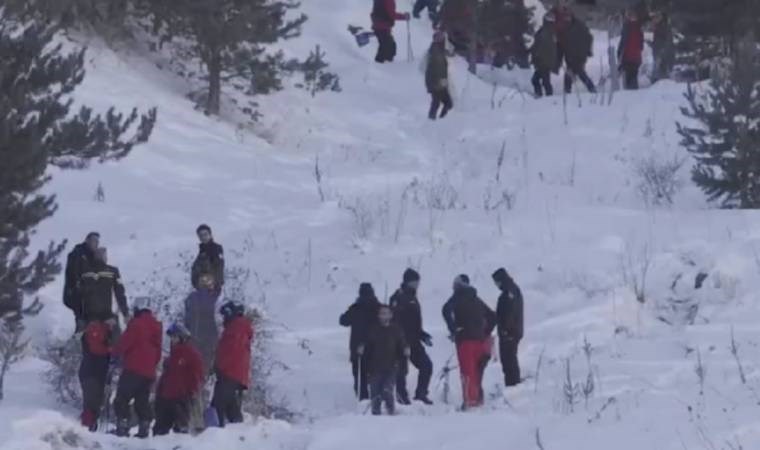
(562, 212)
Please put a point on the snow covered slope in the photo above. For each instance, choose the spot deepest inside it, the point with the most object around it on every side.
(562, 212)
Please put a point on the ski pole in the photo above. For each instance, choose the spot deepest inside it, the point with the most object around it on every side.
(409, 51)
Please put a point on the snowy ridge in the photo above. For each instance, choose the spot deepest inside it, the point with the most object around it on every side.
(576, 238)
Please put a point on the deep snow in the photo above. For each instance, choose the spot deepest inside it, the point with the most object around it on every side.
(577, 230)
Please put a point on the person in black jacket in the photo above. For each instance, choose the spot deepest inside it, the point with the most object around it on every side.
(576, 45)
(78, 261)
(97, 288)
(470, 322)
(385, 348)
(509, 320)
(406, 310)
(361, 315)
(210, 260)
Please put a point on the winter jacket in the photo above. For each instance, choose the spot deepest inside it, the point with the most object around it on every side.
(200, 313)
(233, 355)
(509, 311)
(210, 260)
(543, 53)
(563, 17)
(631, 43)
(360, 316)
(183, 373)
(577, 44)
(468, 317)
(408, 314)
(96, 350)
(384, 15)
(437, 69)
(385, 348)
(97, 288)
(663, 45)
(140, 345)
(78, 261)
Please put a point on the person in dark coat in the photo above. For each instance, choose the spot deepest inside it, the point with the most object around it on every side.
(470, 322)
(180, 382)
(79, 261)
(456, 18)
(544, 57)
(360, 316)
(509, 321)
(210, 260)
(663, 46)
(200, 321)
(385, 349)
(384, 17)
(408, 314)
(139, 349)
(437, 77)
(432, 7)
(97, 340)
(630, 49)
(233, 363)
(98, 286)
(576, 45)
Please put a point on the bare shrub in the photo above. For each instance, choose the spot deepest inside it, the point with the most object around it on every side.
(658, 181)
(363, 219)
(64, 357)
(12, 345)
(634, 267)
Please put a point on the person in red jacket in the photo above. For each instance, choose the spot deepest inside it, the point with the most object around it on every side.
(384, 16)
(139, 349)
(93, 369)
(180, 382)
(631, 48)
(233, 363)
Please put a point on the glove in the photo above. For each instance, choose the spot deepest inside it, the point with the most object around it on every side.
(427, 340)
(444, 83)
(360, 350)
(407, 352)
(452, 338)
(405, 16)
(114, 362)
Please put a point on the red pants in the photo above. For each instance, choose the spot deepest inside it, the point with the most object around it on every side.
(472, 355)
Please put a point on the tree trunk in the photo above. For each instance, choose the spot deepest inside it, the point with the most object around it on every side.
(213, 104)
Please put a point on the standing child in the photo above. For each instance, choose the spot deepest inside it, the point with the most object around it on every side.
(140, 351)
(93, 370)
(180, 383)
(233, 363)
(437, 77)
(385, 349)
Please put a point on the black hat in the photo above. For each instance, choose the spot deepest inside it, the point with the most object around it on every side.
(462, 280)
(410, 276)
(500, 275)
(203, 227)
(366, 290)
(92, 234)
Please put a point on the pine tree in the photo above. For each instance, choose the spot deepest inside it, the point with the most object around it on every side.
(36, 131)
(315, 76)
(103, 15)
(228, 37)
(504, 26)
(726, 140)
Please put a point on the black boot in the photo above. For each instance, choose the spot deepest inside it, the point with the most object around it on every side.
(122, 428)
(403, 399)
(143, 430)
(423, 398)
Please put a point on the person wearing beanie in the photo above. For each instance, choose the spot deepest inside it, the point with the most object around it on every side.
(509, 320)
(470, 322)
(210, 260)
(360, 316)
(408, 314)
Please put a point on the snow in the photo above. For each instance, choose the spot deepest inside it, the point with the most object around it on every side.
(576, 236)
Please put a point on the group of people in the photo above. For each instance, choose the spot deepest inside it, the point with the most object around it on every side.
(197, 351)
(385, 339)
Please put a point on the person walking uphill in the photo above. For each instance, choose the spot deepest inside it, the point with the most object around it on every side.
(576, 44)
(93, 369)
(140, 351)
(385, 348)
(408, 314)
(360, 316)
(179, 384)
(631, 48)
(233, 363)
(470, 322)
(509, 321)
(210, 260)
(437, 77)
(384, 17)
(544, 56)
